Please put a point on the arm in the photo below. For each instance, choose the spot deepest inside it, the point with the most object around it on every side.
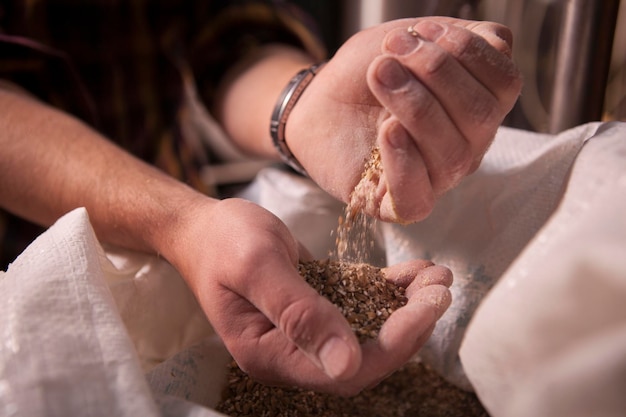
(52, 163)
(235, 256)
(431, 100)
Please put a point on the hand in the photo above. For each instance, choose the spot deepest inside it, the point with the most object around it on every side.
(432, 101)
(240, 261)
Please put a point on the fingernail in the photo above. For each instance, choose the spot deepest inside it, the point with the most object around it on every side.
(391, 74)
(335, 357)
(402, 43)
(429, 30)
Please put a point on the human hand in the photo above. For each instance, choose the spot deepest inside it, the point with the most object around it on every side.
(432, 101)
(240, 261)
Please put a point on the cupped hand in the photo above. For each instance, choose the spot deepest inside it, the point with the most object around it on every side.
(241, 263)
(429, 92)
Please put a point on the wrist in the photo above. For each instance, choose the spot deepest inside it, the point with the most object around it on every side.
(169, 228)
(284, 105)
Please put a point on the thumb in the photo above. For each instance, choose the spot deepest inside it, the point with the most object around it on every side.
(312, 323)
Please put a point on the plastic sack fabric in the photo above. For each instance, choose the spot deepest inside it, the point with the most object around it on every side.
(64, 348)
(79, 332)
(540, 228)
(550, 338)
(536, 240)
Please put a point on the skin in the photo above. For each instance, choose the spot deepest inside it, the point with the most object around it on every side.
(239, 259)
(452, 85)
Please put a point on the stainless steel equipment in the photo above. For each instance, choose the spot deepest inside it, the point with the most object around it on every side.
(564, 49)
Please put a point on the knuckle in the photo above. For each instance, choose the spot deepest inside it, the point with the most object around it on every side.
(295, 321)
(457, 165)
(438, 61)
(424, 106)
(485, 111)
(459, 162)
(248, 257)
(466, 45)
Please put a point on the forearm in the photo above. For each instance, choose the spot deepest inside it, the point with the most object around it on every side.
(249, 94)
(51, 163)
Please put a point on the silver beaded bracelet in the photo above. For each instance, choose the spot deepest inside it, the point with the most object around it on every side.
(286, 101)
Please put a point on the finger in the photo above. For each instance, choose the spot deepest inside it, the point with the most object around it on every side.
(404, 273)
(443, 148)
(432, 275)
(483, 50)
(416, 274)
(404, 333)
(304, 318)
(498, 36)
(437, 296)
(478, 58)
(406, 330)
(470, 105)
(408, 195)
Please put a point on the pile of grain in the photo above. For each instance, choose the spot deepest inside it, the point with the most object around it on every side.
(361, 292)
(358, 290)
(412, 391)
(366, 299)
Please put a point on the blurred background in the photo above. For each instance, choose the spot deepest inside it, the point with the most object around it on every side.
(572, 53)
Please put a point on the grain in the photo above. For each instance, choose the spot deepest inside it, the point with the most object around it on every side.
(366, 299)
(353, 241)
(360, 291)
(413, 391)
